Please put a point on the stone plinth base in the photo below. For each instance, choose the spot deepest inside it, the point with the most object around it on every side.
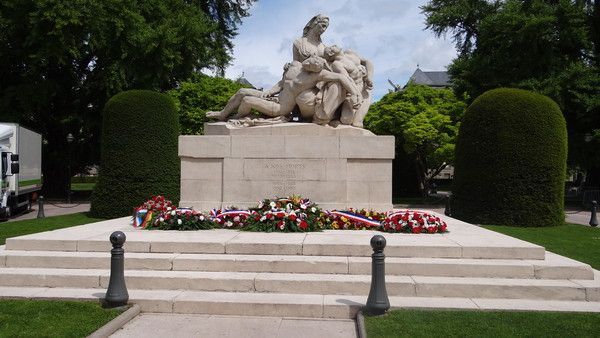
(335, 167)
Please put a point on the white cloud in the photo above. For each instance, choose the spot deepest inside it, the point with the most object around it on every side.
(388, 32)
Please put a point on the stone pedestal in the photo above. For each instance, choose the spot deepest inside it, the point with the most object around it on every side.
(335, 167)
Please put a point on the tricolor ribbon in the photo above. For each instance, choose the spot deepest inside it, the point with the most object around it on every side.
(356, 217)
(232, 213)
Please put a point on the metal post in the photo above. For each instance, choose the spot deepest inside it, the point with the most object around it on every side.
(70, 139)
(41, 207)
(117, 295)
(378, 302)
(594, 218)
(447, 210)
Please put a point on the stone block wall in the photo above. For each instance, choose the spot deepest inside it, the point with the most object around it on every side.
(336, 168)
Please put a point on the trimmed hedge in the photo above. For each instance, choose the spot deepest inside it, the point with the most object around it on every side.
(511, 154)
(138, 153)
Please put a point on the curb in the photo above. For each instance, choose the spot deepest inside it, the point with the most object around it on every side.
(360, 325)
(117, 323)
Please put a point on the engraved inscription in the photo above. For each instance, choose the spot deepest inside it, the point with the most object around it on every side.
(284, 188)
(285, 170)
(285, 175)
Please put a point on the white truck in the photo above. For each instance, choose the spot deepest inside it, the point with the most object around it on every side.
(21, 168)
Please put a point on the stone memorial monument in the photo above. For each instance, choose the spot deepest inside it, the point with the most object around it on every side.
(258, 152)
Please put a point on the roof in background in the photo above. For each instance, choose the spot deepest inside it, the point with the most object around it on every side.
(432, 79)
(244, 82)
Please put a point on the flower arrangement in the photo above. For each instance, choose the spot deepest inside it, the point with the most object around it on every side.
(355, 219)
(144, 214)
(290, 214)
(231, 218)
(415, 222)
(181, 219)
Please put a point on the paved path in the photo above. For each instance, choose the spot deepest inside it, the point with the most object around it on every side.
(578, 217)
(206, 326)
(53, 209)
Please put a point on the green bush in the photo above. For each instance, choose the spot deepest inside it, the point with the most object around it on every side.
(138, 153)
(199, 94)
(511, 155)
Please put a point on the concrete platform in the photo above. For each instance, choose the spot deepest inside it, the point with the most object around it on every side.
(462, 241)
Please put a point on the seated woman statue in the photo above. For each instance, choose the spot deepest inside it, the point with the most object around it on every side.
(310, 43)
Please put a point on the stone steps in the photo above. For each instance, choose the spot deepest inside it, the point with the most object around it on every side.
(290, 305)
(553, 267)
(324, 274)
(320, 284)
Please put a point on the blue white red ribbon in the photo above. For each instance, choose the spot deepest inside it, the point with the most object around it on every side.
(356, 217)
(231, 213)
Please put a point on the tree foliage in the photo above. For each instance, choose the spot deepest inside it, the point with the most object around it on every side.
(196, 96)
(62, 59)
(511, 154)
(425, 122)
(550, 47)
(227, 15)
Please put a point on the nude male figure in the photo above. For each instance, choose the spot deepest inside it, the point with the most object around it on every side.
(361, 71)
(300, 78)
(235, 101)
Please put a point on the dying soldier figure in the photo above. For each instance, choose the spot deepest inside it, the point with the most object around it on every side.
(235, 101)
(298, 79)
(360, 70)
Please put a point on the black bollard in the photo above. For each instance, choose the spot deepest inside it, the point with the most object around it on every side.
(447, 210)
(378, 302)
(117, 295)
(41, 207)
(594, 218)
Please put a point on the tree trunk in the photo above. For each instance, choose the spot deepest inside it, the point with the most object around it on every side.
(405, 182)
(55, 171)
(592, 178)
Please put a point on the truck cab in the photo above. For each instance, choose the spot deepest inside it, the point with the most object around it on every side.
(20, 168)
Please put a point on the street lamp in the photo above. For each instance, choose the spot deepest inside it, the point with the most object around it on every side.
(70, 139)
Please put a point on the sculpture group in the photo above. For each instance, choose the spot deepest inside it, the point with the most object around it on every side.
(328, 85)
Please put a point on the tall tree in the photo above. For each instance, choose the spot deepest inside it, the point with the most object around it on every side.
(425, 123)
(549, 46)
(62, 59)
(461, 17)
(227, 15)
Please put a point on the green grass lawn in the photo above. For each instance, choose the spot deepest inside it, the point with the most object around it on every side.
(82, 186)
(571, 240)
(575, 241)
(424, 323)
(29, 318)
(25, 227)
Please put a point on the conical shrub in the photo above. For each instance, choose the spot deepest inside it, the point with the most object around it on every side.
(511, 156)
(139, 157)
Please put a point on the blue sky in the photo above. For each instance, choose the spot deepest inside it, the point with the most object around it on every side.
(388, 32)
